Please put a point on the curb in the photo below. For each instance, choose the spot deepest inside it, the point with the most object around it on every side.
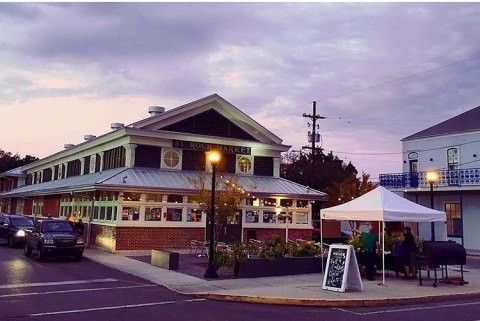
(335, 303)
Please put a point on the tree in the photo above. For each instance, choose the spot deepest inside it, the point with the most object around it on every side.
(9, 161)
(348, 190)
(228, 198)
(297, 167)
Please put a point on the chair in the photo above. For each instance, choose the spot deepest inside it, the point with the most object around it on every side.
(196, 247)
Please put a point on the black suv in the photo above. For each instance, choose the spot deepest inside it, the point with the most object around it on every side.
(12, 228)
(53, 237)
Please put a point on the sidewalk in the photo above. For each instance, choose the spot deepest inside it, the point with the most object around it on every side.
(303, 289)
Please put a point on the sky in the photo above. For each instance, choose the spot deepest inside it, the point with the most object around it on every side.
(378, 71)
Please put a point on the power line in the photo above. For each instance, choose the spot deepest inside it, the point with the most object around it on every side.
(388, 82)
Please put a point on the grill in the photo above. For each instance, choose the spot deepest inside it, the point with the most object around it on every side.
(65, 242)
(438, 254)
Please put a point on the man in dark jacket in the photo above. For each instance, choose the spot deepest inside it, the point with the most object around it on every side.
(409, 252)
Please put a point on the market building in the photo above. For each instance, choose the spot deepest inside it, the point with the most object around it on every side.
(452, 150)
(134, 183)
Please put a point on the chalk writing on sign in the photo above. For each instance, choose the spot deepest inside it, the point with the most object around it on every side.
(336, 268)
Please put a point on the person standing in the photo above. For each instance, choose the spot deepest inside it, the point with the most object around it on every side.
(370, 244)
(409, 252)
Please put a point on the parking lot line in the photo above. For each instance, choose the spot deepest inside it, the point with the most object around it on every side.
(27, 285)
(399, 310)
(129, 306)
(76, 290)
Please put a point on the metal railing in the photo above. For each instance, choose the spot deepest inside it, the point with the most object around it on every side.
(456, 177)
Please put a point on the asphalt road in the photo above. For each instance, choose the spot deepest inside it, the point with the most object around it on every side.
(63, 289)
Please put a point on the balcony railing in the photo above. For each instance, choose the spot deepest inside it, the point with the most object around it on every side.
(457, 177)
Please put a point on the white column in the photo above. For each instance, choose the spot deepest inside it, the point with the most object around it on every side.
(276, 167)
(82, 165)
(130, 155)
(101, 160)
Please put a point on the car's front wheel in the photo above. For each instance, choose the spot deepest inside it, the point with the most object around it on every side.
(27, 250)
(40, 254)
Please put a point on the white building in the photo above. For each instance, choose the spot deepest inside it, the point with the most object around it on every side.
(452, 148)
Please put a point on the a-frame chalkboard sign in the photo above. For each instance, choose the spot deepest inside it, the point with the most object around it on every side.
(342, 269)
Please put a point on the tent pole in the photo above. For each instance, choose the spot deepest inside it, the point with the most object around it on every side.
(383, 252)
(321, 239)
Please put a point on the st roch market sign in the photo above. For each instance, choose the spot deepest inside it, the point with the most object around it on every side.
(229, 149)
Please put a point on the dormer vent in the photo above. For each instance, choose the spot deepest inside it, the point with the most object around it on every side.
(155, 110)
(68, 146)
(89, 137)
(115, 126)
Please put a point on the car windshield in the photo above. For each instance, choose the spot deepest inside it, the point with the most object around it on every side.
(56, 226)
(21, 221)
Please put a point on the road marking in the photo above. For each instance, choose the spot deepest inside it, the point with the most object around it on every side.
(27, 285)
(408, 309)
(129, 306)
(76, 290)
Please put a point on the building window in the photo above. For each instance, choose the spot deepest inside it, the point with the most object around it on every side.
(174, 198)
(130, 213)
(453, 158)
(269, 217)
(301, 218)
(251, 217)
(173, 215)
(244, 165)
(155, 198)
(195, 215)
(454, 219)
(109, 213)
(302, 203)
(153, 213)
(286, 202)
(171, 159)
(131, 197)
(268, 202)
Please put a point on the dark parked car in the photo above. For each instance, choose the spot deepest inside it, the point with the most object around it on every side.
(12, 228)
(53, 238)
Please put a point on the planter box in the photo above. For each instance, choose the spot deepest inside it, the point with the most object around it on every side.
(165, 259)
(256, 267)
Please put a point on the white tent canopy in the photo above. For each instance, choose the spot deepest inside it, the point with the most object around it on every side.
(382, 205)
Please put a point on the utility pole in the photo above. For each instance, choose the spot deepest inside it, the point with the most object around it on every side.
(313, 137)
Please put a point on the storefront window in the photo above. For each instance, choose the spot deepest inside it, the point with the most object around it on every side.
(269, 217)
(302, 203)
(153, 213)
(175, 198)
(109, 213)
(102, 213)
(114, 213)
(268, 202)
(131, 197)
(251, 217)
(157, 198)
(301, 218)
(174, 215)
(130, 213)
(286, 202)
(195, 215)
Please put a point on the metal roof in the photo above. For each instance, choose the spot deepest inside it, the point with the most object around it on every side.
(466, 122)
(165, 180)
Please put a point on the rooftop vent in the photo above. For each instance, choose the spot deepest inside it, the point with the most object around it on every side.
(115, 126)
(89, 137)
(156, 110)
(68, 146)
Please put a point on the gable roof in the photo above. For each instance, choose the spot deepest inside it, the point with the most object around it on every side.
(466, 122)
(199, 106)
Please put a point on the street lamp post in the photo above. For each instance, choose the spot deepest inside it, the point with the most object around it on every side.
(432, 178)
(210, 273)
